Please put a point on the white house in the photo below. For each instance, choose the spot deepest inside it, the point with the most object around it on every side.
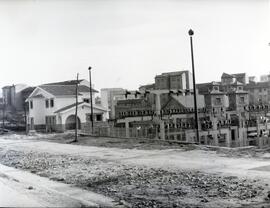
(52, 107)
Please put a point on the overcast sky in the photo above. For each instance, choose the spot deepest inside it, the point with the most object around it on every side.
(128, 42)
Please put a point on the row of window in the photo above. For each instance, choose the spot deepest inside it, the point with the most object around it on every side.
(218, 100)
(48, 103)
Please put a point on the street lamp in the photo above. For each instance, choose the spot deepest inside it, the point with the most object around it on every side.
(91, 101)
(191, 33)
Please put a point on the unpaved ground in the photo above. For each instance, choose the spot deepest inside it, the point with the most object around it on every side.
(133, 181)
(123, 143)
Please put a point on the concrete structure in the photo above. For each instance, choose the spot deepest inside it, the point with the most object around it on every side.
(238, 97)
(252, 79)
(109, 97)
(259, 92)
(165, 110)
(12, 95)
(227, 79)
(265, 78)
(174, 80)
(52, 107)
(216, 100)
(13, 105)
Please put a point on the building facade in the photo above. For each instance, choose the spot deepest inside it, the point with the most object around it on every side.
(174, 80)
(52, 108)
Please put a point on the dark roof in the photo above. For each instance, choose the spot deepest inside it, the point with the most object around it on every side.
(147, 87)
(239, 74)
(68, 82)
(59, 90)
(225, 75)
(253, 85)
(67, 107)
(130, 101)
(133, 103)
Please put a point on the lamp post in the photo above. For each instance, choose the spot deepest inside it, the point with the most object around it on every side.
(91, 101)
(191, 33)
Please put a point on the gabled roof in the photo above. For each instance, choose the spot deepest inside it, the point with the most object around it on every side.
(67, 107)
(173, 104)
(225, 75)
(63, 90)
(80, 103)
(68, 82)
(239, 74)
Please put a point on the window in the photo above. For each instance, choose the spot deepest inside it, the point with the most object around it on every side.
(215, 88)
(52, 103)
(86, 100)
(242, 99)
(88, 117)
(99, 117)
(47, 103)
(31, 104)
(218, 101)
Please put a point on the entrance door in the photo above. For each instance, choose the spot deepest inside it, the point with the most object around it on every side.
(31, 123)
(233, 134)
(50, 123)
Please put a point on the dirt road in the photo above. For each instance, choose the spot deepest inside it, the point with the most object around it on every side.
(146, 178)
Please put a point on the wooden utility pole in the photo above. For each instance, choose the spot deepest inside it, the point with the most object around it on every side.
(76, 110)
(25, 117)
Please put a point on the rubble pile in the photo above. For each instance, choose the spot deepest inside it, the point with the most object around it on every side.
(134, 186)
(161, 188)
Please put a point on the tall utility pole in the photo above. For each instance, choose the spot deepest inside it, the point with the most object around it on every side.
(91, 100)
(25, 116)
(191, 33)
(76, 110)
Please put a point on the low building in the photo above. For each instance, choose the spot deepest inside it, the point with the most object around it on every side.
(52, 107)
(227, 79)
(259, 92)
(173, 80)
(108, 97)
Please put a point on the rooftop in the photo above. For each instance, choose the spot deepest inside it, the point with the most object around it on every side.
(59, 90)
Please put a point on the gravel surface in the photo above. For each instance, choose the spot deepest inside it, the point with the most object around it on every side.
(124, 143)
(138, 186)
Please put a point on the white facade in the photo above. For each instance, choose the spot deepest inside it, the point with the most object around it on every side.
(43, 104)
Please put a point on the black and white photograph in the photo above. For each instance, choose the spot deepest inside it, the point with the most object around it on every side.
(135, 103)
